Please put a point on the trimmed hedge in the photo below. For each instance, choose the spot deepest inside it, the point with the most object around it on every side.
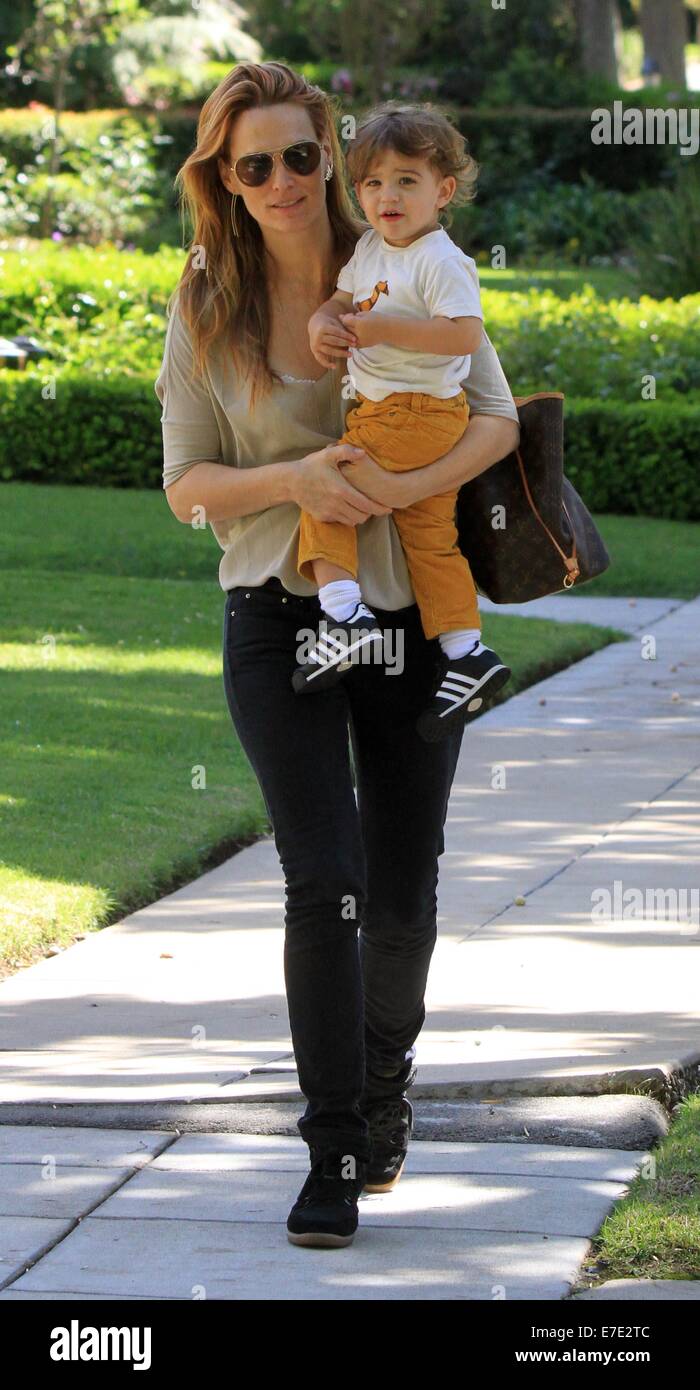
(98, 431)
(633, 459)
(510, 144)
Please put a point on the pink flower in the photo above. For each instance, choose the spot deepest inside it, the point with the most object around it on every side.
(341, 81)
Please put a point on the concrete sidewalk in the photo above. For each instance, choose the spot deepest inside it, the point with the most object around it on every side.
(625, 614)
(587, 780)
(164, 1216)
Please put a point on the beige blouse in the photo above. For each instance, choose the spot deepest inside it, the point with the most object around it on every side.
(209, 419)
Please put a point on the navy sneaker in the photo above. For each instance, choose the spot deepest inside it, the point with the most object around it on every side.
(325, 1212)
(335, 649)
(464, 687)
(390, 1128)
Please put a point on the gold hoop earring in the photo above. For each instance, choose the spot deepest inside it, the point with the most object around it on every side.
(233, 213)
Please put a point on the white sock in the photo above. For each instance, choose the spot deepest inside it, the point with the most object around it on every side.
(460, 641)
(340, 598)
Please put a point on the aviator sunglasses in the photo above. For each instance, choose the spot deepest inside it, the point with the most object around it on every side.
(253, 170)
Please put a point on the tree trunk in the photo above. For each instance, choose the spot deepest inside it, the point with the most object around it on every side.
(595, 21)
(664, 32)
(55, 160)
(362, 32)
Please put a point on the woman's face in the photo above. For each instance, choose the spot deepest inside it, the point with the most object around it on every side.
(270, 128)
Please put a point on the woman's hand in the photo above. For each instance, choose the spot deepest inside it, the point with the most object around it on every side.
(377, 482)
(320, 488)
(329, 339)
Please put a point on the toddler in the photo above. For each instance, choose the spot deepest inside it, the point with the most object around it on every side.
(408, 303)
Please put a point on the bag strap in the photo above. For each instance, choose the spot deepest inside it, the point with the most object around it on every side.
(571, 562)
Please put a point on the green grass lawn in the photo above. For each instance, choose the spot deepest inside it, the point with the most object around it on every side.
(128, 532)
(113, 700)
(649, 558)
(609, 282)
(654, 1232)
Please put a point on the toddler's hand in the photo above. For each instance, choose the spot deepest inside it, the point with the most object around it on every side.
(329, 339)
(366, 327)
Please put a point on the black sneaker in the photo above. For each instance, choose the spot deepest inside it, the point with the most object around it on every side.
(464, 687)
(325, 1212)
(390, 1128)
(335, 649)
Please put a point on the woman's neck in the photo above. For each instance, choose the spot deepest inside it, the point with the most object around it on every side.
(301, 260)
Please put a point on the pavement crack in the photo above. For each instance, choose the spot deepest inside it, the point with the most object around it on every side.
(50, 1245)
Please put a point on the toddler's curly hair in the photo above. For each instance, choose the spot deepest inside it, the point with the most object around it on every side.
(421, 130)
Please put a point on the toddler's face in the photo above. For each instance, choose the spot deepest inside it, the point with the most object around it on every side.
(401, 196)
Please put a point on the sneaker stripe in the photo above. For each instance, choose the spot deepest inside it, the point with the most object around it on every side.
(461, 679)
(330, 651)
(468, 695)
(323, 658)
(329, 647)
(340, 659)
(459, 687)
(330, 654)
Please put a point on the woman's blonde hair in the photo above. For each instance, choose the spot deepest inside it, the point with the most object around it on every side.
(418, 130)
(230, 299)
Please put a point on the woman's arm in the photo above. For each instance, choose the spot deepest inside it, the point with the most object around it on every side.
(223, 492)
(314, 482)
(493, 431)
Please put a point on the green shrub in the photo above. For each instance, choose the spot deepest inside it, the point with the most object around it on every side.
(103, 432)
(103, 310)
(586, 346)
(106, 189)
(665, 240)
(631, 459)
(99, 308)
(636, 460)
(579, 222)
(23, 133)
(161, 59)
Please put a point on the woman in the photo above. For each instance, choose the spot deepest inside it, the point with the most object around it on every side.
(247, 421)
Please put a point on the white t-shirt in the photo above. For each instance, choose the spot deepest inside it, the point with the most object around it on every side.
(432, 277)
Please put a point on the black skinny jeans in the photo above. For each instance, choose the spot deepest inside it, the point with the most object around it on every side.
(356, 1006)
